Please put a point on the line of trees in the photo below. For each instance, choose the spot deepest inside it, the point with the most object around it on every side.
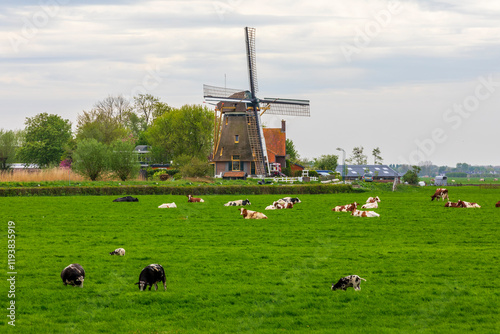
(106, 135)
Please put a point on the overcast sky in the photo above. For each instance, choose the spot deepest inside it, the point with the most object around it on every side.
(418, 79)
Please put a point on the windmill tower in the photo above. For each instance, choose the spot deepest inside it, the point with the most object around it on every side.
(239, 143)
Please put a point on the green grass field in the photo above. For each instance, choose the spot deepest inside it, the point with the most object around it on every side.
(428, 268)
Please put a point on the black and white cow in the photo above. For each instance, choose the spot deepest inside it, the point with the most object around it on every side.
(348, 281)
(150, 275)
(118, 251)
(239, 202)
(293, 200)
(73, 275)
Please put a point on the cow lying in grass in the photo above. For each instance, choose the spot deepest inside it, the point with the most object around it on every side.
(192, 199)
(498, 204)
(248, 214)
(373, 205)
(293, 200)
(126, 199)
(353, 281)
(239, 202)
(359, 213)
(279, 205)
(118, 251)
(150, 275)
(345, 208)
(452, 205)
(167, 206)
(465, 204)
(73, 275)
(373, 199)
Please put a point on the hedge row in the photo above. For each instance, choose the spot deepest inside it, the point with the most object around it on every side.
(169, 190)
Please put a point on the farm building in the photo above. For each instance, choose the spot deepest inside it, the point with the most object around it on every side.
(380, 172)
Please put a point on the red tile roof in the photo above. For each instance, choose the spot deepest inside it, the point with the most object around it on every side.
(275, 143)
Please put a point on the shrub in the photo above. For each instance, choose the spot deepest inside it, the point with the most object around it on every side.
(123, 161)
(90, 158)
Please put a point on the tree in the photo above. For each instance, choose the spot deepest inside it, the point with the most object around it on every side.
(326, 162)
(123, 160)
(411, 176)
(100, 124)
(183, 131)
(377, 158)
(193, 166)
(357, 157)
(90, 158)
(8, 147)
(145, 105)
(45, 137)
(291, 151)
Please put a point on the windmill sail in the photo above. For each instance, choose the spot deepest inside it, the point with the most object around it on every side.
(287, 107)
(251, 60)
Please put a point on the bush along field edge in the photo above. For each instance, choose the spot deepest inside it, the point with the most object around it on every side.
(169, 190)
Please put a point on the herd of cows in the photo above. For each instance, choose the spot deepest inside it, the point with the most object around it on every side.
(153, 274)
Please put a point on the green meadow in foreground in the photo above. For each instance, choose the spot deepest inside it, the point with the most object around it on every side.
(428, 268)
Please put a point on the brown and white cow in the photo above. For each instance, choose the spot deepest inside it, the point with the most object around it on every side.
(345, 208)
(465, 204)
(192, 199)
(452, 205)
(359, 213)
(278, 205)
(441, 193)
(498, 204)
(373, 205)
(373, 199)
(248, 214)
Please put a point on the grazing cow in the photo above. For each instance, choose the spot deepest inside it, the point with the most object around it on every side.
(279, 205)
(465, 204)
(239, 202)
(452, 205)
(498, 204)
(192, 199)
(345, 208)
(348, 281)
(118, 251)
(73, 275)
(293, 200)
(167, 206)
(373, 205)
(441, 193)
(373, 199)
(126, 199)
(481, 180)
(150, 275)
(248, 214)
(359, 213)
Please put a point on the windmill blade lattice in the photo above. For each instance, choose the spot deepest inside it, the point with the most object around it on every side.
(218, 93)
(251, 60)
(285, 107)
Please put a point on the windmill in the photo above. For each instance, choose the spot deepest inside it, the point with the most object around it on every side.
(238, 135)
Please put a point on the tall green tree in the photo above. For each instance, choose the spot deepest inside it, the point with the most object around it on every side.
(101, 124)
(8, 147)
(183, 131)
(411, 176)
(291, 150)
(326, 162)
(45, 137)
(90, 158)
(123, 161)
(377, 156)
(357, 157)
